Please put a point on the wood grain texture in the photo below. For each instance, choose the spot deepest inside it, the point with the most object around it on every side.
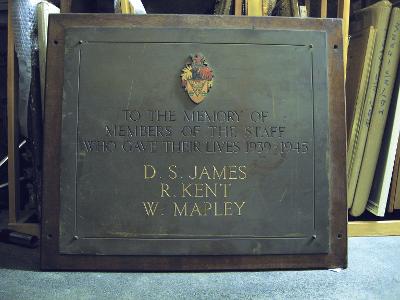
(344, 13)
(27, 228)
(374, 228)
(51, 259)
(65, 6)
(13, 165)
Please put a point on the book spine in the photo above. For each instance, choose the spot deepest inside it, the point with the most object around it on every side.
(295, 8)
(387, 75)
(268, 6)
(254, 8)
(383, 174)
(377, 15)
(359, 108)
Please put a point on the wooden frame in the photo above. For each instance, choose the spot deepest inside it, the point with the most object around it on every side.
(50, 257)
(344, 14)
(13, 187)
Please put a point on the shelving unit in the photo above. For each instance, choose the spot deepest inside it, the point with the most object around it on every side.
(374, 228)
(17, 219)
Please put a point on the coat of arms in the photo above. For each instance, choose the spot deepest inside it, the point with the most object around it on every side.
(197, 78)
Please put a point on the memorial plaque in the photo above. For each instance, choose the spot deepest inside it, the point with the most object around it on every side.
(194, 143)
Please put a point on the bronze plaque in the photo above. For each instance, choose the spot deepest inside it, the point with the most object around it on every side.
(198, 142)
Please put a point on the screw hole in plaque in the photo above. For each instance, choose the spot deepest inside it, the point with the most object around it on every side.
(55, 42)
(49, 236)
(335, 46)
(339, 236)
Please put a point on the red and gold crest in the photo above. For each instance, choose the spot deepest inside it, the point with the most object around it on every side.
(197, 78)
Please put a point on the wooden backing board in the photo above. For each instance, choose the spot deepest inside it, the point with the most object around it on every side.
(13, 134)
(50, 256)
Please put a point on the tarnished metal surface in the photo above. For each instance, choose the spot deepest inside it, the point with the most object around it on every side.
(234, 175)
(248, 171)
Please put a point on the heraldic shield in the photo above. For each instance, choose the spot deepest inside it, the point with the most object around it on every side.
(197, 78)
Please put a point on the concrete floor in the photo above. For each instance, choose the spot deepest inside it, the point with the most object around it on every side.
(373, 273)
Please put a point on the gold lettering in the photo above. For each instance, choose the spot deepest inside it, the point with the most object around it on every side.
(195, 209)
(204, 190)
(171, 170)
(195, 174)
(232, 172)
(150, 207)
(146, 175)
(239, 207)
(208, 188)
(185, 190)
(164, 189)
(198, 209)
(216, 210)
(207, 207)
(225, 185)
(204, 172)
(198, 190)
(242, 170)
(228, 207)
(221, 175)
(182, 211)
(226, 172)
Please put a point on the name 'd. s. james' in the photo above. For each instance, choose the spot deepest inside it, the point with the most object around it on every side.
(231, 172)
